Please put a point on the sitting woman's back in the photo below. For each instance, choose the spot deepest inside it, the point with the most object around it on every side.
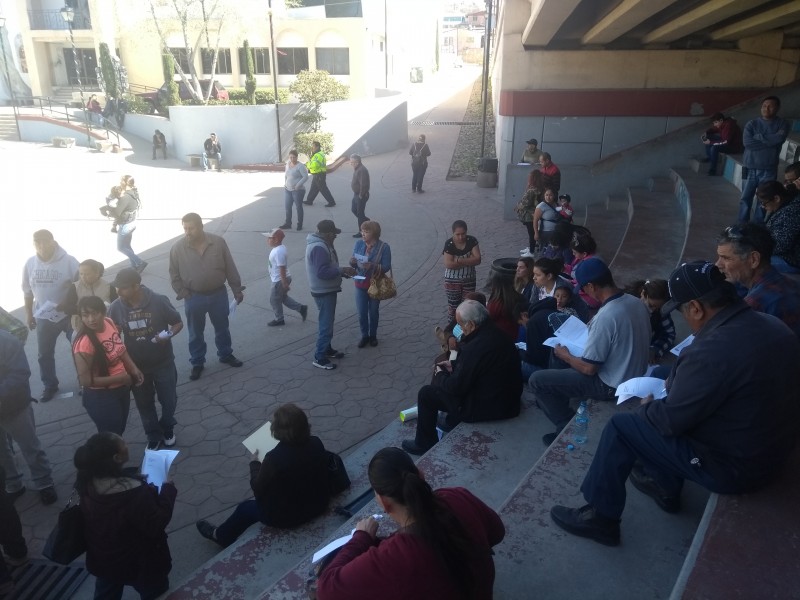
(442, 550)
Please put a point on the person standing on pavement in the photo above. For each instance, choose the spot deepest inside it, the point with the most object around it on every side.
(371, 256)
(763, 139)
(318, 168)
(419, 152)
(148, 322)
(124, 212)
(159, 142)
(199, 266)
(360, 187)
(46, 280)
(294, 190)
(17, 421)
(281, 280)
(212, 148)
(325, 280)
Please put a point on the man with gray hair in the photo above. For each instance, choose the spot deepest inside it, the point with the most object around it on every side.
(483, 384)
(360, 186)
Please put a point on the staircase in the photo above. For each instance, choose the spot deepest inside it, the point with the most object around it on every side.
(8, 128)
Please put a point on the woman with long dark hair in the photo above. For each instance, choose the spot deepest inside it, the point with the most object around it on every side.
(502, 300)
(105, 370)
(442, 549)
(783, 222)
(124, 521)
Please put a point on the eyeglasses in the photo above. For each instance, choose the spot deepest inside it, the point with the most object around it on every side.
(764, 201)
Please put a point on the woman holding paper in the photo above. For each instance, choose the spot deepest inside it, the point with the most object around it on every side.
(370, 257)
(442, 549)
(105, 370)
(124, 521)
(290, 486)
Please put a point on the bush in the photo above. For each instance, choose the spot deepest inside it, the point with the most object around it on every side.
(302, 141)
(238, 96)
(136, 105)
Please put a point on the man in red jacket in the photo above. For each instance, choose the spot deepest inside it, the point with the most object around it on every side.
(724, 135)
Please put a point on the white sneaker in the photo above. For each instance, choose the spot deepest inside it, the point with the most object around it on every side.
(528, 255)
(525, 251)
(169, 438)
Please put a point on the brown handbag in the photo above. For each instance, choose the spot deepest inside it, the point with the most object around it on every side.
(381, 285)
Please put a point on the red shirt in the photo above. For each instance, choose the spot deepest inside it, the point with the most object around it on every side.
(403, 566)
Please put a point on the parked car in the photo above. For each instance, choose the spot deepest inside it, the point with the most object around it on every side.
(158, 99)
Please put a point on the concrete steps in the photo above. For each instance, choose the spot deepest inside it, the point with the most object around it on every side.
(8, 128)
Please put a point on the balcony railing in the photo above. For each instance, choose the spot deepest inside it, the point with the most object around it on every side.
(50, 20)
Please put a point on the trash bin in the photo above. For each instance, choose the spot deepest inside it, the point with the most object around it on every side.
(505, 267)
(487, 172)
(416, 74)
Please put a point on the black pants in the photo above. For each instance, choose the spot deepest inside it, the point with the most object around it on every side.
(418, 174)
(163, 151)
(10, 529)
(319, 186)
(430, 400)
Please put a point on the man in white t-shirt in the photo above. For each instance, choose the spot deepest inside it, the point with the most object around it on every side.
(617, 349)
(281, 280)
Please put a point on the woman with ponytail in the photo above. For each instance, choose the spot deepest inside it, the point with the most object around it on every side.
(105, 371)
(124, 521)
(442, 549)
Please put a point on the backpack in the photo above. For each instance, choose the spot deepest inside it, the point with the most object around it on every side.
(417, 158)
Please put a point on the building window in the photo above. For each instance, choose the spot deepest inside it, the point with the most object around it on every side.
(223, 61)
(292, 60)
(181, 56)
(260, 61)
(335, 61)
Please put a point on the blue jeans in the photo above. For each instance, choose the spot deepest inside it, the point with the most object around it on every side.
(754, 178)
(159, 382)
(668, 459)
(246, 514)
(368, 312)
(528, 369)
(124, 237)
(357, 207)
(47, 334)
(108, 407)
(327, 313)
(105, 589)
(712, 152)
(215, 305)
(554, 387)
(206, 156)
(294, 197)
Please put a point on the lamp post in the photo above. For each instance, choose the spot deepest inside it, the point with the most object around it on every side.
(275, 81)
(68, 14)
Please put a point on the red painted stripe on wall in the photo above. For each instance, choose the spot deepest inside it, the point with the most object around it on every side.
(622, 103)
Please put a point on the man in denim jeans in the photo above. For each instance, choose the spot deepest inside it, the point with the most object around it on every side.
(325, 280)
(148, 322)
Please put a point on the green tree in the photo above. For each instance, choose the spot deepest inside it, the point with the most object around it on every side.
(168, 65)
(314, 88)
(109, 72)
(250, 78)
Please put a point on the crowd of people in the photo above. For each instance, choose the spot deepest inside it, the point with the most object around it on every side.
(726, 422)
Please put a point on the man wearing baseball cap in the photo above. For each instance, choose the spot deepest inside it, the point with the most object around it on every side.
(616, 350)
(728, 421)
(325, 280)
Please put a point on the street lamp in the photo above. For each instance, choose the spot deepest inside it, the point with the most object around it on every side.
(68, 14)
(275, 80)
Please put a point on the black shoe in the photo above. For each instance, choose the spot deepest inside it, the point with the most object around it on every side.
(413, 190)
(585, 522)
(330, 204)
(14, 495)
(48, 394)
(549, 438)
(153, 445)
(331, 353)
(276, 323)
(142, 267)
(208, 531)
(363, 342)
(285, 226)
(356, 235)
(195, 374)
(48, 495)
(373, 341)
(307, 203)
(231, 361)
(304, 312)
(420, 191)
(324, 363)
(649, 486)
(299, 226)
(412, 447)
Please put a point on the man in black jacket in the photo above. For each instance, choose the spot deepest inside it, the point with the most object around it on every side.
(483, 384)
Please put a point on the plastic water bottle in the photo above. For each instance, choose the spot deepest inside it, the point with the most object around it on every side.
(581, 424)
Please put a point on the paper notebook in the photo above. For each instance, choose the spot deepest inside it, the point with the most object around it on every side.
(261, 439)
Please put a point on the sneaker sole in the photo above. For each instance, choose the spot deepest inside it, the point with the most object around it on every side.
(328, 367)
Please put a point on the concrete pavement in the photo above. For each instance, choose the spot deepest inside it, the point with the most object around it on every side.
(60, 189)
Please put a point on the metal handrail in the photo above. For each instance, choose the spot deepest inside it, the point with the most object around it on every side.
(52, 20)
(48, 107)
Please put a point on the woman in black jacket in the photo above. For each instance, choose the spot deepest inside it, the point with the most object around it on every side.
(290, 486)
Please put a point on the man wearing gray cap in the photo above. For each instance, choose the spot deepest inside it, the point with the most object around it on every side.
(360, 187)
(728, 421)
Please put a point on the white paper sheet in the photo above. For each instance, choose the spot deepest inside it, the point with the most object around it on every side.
(639, 387)
(232, 307)
(156, 465)
(573, 334)
(335, 544)
(48, 312)
(676, 350)
(522, 345)
(261, 439)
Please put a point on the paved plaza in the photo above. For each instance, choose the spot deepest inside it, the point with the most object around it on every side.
(61, 190)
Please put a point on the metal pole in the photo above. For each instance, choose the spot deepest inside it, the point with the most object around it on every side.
(275, 81)
(8, 79)
(486, 74)
(80, 87)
